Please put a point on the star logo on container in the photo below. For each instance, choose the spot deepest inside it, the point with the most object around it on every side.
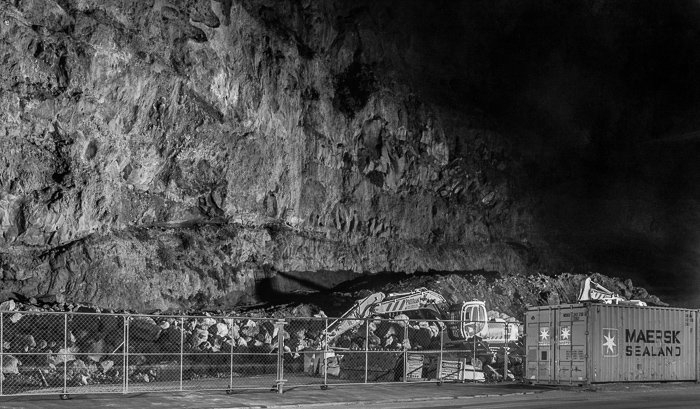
(544, 335)
(565, 333)
(609, 342)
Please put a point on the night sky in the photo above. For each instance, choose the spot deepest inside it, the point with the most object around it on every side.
(602, 102)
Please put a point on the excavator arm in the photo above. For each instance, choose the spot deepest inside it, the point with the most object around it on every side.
(381, 304)
(352, 317)
(464, 320)
(418, 299)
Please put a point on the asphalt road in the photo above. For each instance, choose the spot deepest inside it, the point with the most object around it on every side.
(687, 397)
(409, 396)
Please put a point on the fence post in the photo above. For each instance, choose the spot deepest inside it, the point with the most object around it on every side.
(2, 349)
(64, 394)
(182, 348)
(126, 354)
(505, 353)
(325, 356)
(442, 346)
(474, 354)
(233, 342)
(405, 351)
(366, 347)
(279, 383)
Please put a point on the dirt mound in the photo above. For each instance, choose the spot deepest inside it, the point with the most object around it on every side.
(512, 294)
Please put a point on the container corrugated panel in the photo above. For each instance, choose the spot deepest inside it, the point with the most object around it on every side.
(629, 344)
(571, 342)
(539, 326)
(592, 343)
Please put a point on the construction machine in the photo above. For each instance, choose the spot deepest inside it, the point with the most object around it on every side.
(466, 325)
(590, 291)
(461, 321)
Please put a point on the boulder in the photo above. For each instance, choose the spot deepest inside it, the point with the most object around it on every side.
(63, 356)
(25, 341)
(235, 331)
(144, 328)
(84, 325)
(191, 324)
(169, 340)
(106, 365)
(96, 349)
(10, 364)
(143, 347)
(199, 336)
(77, 367)
(221, 329)
(8, 305)
(111, 323)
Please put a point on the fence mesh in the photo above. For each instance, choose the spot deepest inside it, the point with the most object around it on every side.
(94, 353)
(33, 353)
(77, 353)
(252, 347)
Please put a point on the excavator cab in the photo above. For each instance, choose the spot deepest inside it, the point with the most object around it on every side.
(467, 319)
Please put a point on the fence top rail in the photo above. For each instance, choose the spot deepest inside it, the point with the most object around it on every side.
(286, 319)
(139, 315)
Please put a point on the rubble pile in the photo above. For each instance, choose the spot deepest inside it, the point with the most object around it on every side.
(36, 353)
(512, 294)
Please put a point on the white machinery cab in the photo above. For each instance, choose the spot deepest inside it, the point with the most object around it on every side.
(467, 319)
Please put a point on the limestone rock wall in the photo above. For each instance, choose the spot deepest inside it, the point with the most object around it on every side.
(159, 154)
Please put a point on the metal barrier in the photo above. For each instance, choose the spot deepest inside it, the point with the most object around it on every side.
(65, 353)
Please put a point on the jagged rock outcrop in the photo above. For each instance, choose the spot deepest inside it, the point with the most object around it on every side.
(159, 154)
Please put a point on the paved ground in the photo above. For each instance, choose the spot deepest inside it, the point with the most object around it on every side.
(396, 396)
(294, 397)
(646, 397)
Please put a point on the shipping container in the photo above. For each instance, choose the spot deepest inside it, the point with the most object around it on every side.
(578, 344)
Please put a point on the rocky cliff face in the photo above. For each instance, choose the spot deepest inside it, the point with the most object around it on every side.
(161, 154)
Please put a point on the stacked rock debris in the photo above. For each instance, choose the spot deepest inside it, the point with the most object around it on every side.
(41, 347)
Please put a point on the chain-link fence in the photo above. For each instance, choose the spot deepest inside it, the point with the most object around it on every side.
(57, 353)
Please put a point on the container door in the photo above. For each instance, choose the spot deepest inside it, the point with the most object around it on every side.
(570, 357)
(541, 336)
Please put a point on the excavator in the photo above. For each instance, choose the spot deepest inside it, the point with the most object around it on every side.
(462, 321)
